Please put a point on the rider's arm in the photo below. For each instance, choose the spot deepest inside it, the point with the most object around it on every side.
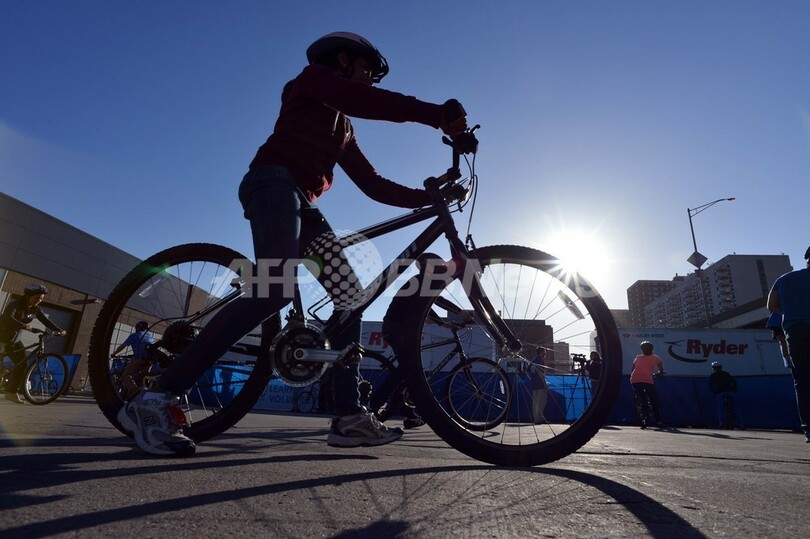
(774, 305)
(42, 317)
(360, 171)
(360, 100)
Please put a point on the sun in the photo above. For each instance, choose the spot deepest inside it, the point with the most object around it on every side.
(581, 252)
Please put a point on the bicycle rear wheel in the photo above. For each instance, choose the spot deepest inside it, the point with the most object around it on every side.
(544, 305)
(46, 379)
(177, 291)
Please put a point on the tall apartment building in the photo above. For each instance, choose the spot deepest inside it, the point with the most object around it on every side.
(642, 293)
(735, 284)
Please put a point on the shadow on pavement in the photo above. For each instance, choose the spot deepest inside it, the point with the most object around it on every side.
(56, 469)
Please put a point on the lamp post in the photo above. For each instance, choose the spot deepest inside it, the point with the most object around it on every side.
(697, 259)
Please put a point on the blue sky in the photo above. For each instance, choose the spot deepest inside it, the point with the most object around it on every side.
(602, 121)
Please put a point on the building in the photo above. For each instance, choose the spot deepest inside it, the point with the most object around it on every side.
(642, 293)
(729, 293)
(78, 269)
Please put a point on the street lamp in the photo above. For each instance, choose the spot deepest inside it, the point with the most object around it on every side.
(697, 259)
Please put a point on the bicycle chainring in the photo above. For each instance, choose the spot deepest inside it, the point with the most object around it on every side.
(291, 371)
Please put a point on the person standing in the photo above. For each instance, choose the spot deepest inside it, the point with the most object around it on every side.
(537, 381)
(594, 368)
(17, 316)
(790, 297)
(724, 387)
(641, 378)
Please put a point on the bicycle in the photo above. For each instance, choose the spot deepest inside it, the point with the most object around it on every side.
(306, 400)
(46, 374)
(477, 390)
(518, 297)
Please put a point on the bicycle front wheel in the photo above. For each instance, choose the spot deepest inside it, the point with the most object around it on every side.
(544, 305)
(46, 379)
(478, 394)
(306, 401)
(177, 292)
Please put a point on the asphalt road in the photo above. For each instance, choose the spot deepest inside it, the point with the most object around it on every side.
(65, 472)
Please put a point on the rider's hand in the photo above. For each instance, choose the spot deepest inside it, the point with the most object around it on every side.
(454, 118)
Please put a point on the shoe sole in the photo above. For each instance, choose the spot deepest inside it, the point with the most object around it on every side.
(130, 424)
(346, 441)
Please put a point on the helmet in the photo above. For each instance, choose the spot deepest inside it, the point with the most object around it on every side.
(336, 41)
(717, 365)
(35, 289)
(142, 326)
(647, 347)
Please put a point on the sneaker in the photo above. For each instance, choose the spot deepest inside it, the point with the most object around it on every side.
(156, 422)
(361, 429)
(413, 422)
(13, 396)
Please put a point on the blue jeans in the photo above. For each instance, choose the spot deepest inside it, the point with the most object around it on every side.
(283, 222)
(798, 341)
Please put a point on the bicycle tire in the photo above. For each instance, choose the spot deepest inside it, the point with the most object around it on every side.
(166, 288)
(46, 379)
(305, 401)
(474, 407)
(532, 290)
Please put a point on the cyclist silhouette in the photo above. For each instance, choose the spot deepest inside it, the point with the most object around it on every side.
(289, 172)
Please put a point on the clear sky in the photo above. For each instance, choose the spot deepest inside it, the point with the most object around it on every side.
(603, 122)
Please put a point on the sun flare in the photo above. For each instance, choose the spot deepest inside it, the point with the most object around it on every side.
(583, 253)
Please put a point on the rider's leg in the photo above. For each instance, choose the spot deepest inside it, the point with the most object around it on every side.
(273, 205)
(353, 425)
(16, 352)
(640, 404)
(798, 340)
(655, 404)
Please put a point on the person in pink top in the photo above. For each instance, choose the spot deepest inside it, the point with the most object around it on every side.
(641, 378)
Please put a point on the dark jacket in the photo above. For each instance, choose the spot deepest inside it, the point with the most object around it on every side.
(721, 381)
(313, 133)
(17, 315)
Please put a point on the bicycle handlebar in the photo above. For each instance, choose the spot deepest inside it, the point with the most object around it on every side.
(445, 185)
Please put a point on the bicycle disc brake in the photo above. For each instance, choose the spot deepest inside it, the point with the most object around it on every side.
(292, 371)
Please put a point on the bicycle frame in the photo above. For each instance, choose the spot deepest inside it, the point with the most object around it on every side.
(443, 224)
(31, 352)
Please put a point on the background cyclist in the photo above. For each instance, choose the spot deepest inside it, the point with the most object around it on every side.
(139, 341)
(641, 378)
(18, 315)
